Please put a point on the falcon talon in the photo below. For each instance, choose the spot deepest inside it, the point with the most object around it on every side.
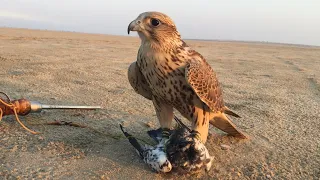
(196, 135)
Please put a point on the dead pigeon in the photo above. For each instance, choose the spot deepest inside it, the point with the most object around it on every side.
(154, 156)
(185, 152)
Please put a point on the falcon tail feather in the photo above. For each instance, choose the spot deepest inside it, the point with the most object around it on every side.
(223, 123)
(230, 112)
(133, 141)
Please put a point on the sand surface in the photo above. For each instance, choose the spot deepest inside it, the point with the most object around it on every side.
(274, 87)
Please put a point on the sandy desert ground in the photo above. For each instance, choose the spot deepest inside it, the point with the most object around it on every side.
(274, 87)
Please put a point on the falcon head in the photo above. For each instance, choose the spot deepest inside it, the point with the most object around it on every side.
(154, 27)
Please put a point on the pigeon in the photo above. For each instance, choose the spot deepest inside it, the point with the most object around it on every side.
(153, 156)
(186, 154)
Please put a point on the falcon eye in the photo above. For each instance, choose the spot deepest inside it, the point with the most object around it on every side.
(155, 22)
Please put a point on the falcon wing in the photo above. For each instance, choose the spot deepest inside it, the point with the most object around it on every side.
(204, 82)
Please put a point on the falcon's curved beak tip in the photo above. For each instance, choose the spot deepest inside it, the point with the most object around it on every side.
(134, 26)
(130, 27)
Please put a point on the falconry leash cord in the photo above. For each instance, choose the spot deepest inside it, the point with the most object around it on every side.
(11, 106)
(24, 107)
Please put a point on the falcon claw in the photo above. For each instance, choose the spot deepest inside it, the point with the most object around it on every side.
(195, 134)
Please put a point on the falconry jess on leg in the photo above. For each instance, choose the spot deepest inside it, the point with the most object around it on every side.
(172, 75)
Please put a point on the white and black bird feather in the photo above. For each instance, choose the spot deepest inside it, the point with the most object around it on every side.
(184, 151)
(154, 156)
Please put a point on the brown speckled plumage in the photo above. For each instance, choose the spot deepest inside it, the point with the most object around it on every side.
(204, 82)
(173, 75)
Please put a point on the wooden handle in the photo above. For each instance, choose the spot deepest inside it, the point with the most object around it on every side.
(23, 107)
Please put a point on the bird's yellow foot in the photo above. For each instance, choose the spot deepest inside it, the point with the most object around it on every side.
(165, 133)
(196, 135)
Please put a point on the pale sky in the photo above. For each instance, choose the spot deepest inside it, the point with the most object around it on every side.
(284, 21)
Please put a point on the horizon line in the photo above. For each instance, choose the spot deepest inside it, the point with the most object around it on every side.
(190, 39)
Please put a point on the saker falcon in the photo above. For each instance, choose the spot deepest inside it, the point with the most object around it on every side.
(172, 75)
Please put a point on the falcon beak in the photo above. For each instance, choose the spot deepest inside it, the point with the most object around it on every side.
(134, 26)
